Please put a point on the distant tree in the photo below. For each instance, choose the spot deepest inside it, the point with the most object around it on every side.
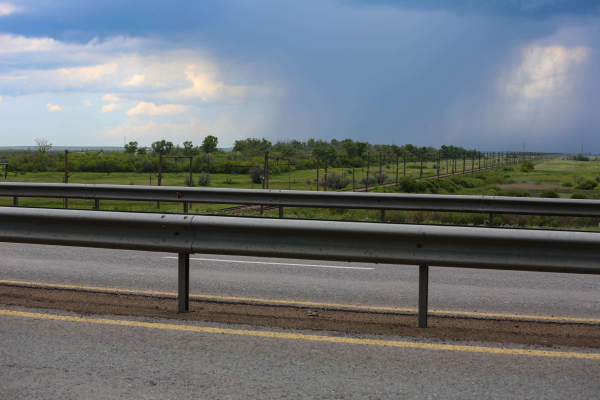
(188, 146)
(43, 145)
(580, 157)
(209, 145)
(131, 147)
(354, 149)
(162, 145)
(288, 152)
(142, 151)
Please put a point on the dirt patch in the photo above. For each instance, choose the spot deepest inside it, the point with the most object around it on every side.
(504, 331)
(530, 186)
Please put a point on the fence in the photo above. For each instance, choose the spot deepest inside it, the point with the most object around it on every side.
(422, 245)
(296, 198)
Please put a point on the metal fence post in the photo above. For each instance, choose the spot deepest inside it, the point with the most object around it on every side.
(382, 215)
(491, 219)
(280, 211)
(96, 204)
(183, 292)
(185, 207)
(423, 294)
(15, 201)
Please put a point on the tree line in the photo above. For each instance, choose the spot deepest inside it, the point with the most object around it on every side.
(207, 157)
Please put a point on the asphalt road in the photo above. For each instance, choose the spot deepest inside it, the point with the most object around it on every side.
(453, 289)
(42, 358)
(59, 354)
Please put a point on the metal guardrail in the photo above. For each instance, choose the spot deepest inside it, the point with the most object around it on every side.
(423, 245)
(296, 198)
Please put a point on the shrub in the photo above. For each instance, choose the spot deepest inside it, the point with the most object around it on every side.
(567, 184)
(580, 157)
(514, 193)
(597, 179)
(587, 184)
(204, 179)
(375, 179)
(187, 181)
(508, 169)
(580, 179)
(371, 181)
(579, 196)
(256, 173)
(549, 194)
(382, 178)
(527, 166)
(335, 181)
(229, 181)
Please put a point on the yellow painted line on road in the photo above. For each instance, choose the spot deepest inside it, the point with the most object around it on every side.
(312, 338)
(303, 303)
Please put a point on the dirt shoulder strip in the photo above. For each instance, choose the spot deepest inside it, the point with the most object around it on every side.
(457, 328)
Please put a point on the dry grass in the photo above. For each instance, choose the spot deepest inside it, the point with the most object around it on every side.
(530, 186)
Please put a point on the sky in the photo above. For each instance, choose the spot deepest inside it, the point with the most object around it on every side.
(487, 75)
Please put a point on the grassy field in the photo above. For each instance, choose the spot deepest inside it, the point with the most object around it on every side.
(551, 178)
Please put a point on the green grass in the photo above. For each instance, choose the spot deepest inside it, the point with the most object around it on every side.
(550, 175)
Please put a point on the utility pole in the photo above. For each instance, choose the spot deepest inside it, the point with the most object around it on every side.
(191, 176)
(368, 164)
(159, 173)
(353, 185)
(266, 171)
(421, 172)
(397, 164)
(65, 200)
(380, 173)
(325, 175)
(265, 184)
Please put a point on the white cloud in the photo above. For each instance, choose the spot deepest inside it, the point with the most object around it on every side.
(8, 8)
(545, 72)
(115, 65)
(133, 128)
(87, 74)
(135, 81)
(192, 124)
(87, 102)
(53, 107)
(110, 97)
(144, 108)
(110, 107)
(47, 48)
(207, 87)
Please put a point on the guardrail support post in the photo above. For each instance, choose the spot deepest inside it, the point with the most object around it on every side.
(280, 211)
(15, 201)
(183, 292)
(185, 208)
(96, 204)
(491, 219)
(423, 294)
(382, 215)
